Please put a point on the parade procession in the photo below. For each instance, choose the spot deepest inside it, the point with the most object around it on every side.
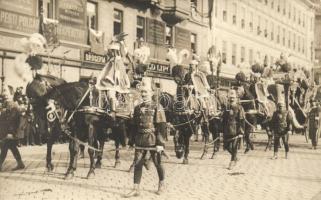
(160, 99)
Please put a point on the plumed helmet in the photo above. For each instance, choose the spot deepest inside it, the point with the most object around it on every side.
(240, 77)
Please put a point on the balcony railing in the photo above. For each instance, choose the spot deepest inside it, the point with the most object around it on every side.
(176, 11)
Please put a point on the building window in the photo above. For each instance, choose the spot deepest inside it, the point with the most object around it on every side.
(92, 15)
(289, 40)
(118, 21)
(278, 35)
(312, 48)
(251, 22)
(266, 2)
(48, 8)
(279, 6)
(299, 44)
(272, 31)
(234, 9)
(283, 37)
(233, 54)
(169, 35)
(258, 26)
(224, 52)
(265, 29)
(194, 3)
(294, 39)
(224, 15)
(193, 42)
(243, 18)
(294, 14)
(251, 56)
(140, 28)
(289, 11)
(272, 4)
(242, 54)
(303, 20)
(299, 21)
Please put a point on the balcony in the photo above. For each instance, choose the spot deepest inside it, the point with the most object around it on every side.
(176, 11)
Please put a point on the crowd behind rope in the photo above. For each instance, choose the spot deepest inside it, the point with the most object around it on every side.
(31, 133)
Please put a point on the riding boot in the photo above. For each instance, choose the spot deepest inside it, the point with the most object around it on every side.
(231, 165)
(134, 193)
(161, 188)
(275, 156)
(20, 165)
(286, 155)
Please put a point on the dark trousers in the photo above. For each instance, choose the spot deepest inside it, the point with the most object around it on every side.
(285, 139)
(12, 145)
(231, 145)
(140, 160)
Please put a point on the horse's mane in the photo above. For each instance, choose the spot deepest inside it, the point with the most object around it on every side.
(68, 94)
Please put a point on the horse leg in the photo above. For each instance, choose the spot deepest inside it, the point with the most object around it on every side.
(117, 154)
(73, 151)
(100, 154)
(91, 152)
(186, 142)
(52, 137)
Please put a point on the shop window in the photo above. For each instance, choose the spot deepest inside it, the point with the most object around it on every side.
(233, 54)
(140, 28)
(193, 42)
(224, 54)
(118, 21)
(92, 15)
(48, 8)
(169, 35)
(251, 56)
(242, 54)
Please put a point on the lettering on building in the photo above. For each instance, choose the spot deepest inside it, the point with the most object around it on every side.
(94, 58)
(159, 68)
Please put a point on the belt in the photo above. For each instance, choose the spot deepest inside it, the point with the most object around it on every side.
(146, 130)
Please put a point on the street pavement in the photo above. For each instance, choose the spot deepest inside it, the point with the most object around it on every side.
(256, 176)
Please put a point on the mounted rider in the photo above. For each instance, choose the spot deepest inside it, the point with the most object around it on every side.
(233, 126)
(150, 126)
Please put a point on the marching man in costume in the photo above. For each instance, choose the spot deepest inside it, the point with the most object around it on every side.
(233, 127)
(314, 123)
(150, 122)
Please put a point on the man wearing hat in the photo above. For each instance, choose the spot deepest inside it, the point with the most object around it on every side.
(9, 130)
(314, 123)
(233, 126)
(150, 126)
(281, 124)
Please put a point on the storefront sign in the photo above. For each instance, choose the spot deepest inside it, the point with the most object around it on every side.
(72, 12)
(182, 38)
(18, 22)
(72, 18)
(155, 32)
(94, 58)
(159, 68)
(27, 7)
(71, 34)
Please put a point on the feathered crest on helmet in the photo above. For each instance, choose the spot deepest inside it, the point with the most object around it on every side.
(142, 53)
(177, 58)
(284, 62)
(33, 45)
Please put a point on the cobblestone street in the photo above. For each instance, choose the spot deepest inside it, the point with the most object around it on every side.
(255, 177)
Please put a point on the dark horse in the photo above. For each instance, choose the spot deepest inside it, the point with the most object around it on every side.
(186, 114)
(70, 112)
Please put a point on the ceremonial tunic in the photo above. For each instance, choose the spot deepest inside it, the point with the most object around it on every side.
(233, 125)
(281, 124)
(150, 122)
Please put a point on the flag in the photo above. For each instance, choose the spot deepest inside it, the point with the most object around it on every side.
(96, 39)
(49, 31)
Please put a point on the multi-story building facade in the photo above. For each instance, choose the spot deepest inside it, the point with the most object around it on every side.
(179, 23)
(317, 34)
(249, 30)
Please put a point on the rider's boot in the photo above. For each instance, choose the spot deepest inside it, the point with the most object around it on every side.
(20, 165)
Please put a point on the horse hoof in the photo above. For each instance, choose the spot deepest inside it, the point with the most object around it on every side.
(98, 165)
(117, 164)
(50, 167)
(91, 173)
(185, 161)
(69, 175)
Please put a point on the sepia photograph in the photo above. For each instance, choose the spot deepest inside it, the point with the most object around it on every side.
(160, 99)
